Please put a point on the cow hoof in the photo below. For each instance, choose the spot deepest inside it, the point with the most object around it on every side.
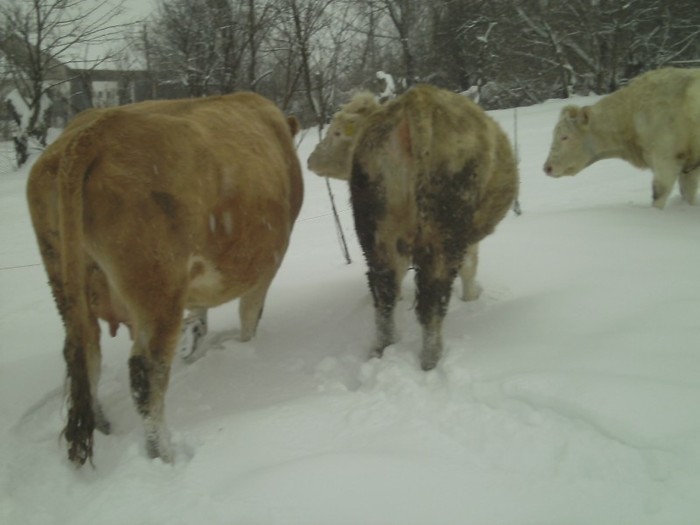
(428, 365)
(376, 352)
(191, 347)
(102, 423)
(159, 449)
(429, 360)
(472, 293)
(191, 354)
(659, 199)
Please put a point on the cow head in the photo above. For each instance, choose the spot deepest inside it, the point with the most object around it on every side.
(332, 157)
(570, 151)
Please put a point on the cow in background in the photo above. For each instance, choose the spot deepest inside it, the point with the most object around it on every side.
(654, 122)
(147, 210)
(430, 176)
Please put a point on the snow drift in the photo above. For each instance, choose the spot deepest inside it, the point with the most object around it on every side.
(568, 392)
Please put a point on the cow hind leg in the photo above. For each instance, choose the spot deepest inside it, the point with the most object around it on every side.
(665, 174)
(81, 352)
(81, 346)
(688, 183)
(383, 284)
(386, 256)
(434, 277)
(447, 209)
(149, 370)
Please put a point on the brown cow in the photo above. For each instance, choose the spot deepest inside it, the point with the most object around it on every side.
(430, 176)
(151, 208)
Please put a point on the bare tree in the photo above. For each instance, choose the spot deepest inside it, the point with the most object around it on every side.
(547, 35)
(42, 39)
(598, 46)
(196, 44)
(307, 18)
(259, 18)
(407, 19)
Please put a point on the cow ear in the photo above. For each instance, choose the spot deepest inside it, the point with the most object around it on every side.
(584, 116)
(570, 112)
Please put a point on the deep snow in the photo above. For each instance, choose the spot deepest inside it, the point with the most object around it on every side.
(568, 394)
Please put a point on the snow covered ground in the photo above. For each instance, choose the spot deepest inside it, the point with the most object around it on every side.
(569, 393)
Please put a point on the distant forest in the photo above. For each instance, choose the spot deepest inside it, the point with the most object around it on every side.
(308, 55)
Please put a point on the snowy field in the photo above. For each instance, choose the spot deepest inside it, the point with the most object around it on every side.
(569, 393)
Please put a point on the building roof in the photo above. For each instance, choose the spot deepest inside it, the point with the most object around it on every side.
(20, 53)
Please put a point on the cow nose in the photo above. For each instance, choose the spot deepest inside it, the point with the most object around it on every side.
(548, 169)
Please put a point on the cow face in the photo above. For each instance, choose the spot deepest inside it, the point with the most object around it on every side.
(570, 151)
(333, 155)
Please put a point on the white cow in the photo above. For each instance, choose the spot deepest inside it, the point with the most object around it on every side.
(654, 122)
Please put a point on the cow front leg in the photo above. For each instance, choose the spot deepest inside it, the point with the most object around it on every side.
(688, 183)
(383, 285)
(665, 174)
(467, 273)
(194, 329)
(149, 372)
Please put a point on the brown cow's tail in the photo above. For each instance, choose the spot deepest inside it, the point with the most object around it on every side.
(81, 331)
(421, 138)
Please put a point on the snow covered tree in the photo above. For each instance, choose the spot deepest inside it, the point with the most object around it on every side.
(408, 20)
(598, 45)
(41, 39)
(195, 45)
(319, 50)
(468, 40)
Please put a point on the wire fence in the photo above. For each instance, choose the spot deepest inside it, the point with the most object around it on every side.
(8, 163)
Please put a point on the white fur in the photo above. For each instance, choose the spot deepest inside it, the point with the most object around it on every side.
(654, 122)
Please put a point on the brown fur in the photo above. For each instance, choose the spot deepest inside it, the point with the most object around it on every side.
(143, 211)
(431, 175)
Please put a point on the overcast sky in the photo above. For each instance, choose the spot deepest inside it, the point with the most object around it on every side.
(139, 8)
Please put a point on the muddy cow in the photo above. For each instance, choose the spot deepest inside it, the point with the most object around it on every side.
(430, 176)
(654, 122)
(147, 210)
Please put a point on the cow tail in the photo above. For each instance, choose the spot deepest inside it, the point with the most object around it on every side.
(421, 126)
(80, 154)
